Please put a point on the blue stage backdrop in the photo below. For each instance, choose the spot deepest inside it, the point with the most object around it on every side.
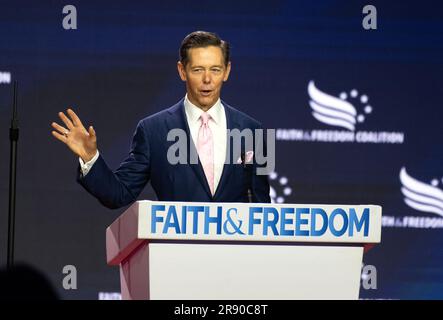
(358, 118)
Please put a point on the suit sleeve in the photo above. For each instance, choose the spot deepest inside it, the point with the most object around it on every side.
(260, 182)
(121, 187)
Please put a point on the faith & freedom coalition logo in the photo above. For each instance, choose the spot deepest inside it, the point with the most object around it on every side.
(343, 113)
(422, 197)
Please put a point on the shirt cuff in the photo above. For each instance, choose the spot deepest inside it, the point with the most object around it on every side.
(85, 167)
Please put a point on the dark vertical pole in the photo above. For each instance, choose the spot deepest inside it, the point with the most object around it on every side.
(247, 170)
(13, 137)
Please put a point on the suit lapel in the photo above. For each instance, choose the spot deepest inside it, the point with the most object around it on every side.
(228, 167)
(177, 120)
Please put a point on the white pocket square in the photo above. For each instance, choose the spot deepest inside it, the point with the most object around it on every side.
(248, 157)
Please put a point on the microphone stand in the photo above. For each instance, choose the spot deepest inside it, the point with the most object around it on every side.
(13, 137)
(248, 177)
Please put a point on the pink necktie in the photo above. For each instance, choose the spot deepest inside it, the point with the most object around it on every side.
(205, 149)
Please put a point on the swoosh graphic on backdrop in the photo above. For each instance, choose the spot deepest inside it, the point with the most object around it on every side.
(331, 110)
(421, 196)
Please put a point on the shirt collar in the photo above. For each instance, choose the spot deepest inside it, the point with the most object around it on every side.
(193, 112)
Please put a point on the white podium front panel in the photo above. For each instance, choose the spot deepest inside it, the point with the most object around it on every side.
(223, 251)
(247, 271)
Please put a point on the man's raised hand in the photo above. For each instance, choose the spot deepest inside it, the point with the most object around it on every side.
(81, 141)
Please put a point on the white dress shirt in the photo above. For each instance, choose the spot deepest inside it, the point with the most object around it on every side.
(85, 167)
(217, 124)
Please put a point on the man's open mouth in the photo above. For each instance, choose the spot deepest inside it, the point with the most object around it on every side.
(205, 92)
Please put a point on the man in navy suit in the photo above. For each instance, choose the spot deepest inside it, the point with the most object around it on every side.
(206, 121)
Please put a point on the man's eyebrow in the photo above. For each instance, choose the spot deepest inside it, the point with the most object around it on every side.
(214, 66)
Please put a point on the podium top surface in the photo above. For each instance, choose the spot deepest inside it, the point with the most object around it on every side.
(238, 222)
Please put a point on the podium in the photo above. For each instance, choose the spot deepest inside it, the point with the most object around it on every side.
(233, 251)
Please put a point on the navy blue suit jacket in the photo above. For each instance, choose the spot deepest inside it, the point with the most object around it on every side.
(147, 161)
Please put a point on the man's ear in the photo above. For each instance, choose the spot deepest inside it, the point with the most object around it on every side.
(228, 70)
(181, 70)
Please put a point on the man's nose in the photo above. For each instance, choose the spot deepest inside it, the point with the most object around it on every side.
(207, 77)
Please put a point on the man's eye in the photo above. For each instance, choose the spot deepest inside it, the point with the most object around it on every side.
(216, 70)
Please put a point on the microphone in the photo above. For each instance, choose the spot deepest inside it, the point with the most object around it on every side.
(248, 180)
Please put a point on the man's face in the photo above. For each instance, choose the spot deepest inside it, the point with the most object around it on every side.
(204, 75)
